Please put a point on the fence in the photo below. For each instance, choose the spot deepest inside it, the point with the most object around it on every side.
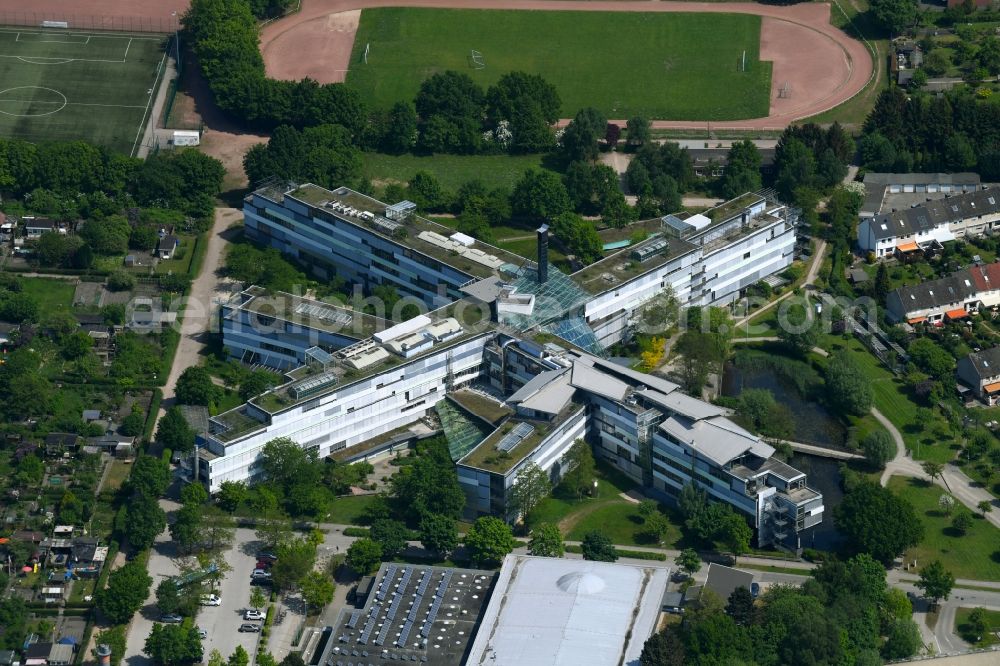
(163, 25)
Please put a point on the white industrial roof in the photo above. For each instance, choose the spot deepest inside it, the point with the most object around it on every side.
(717, 438)
(547, 392)
(556, 612)
(683, 404)
(590, 379)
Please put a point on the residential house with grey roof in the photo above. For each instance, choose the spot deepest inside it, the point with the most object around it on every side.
(949, 298)
(930, 224)
(980, 371)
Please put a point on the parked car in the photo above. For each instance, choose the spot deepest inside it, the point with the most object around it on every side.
(260, 573)
(171, 618)
(754, 590)
(267, 556)
(263, 564)
(210, 600)
(246, 627)
(253, 614)
(202, 633)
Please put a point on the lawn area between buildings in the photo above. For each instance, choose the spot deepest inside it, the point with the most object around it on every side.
(349, 510)
(675, 66)
(975, 554)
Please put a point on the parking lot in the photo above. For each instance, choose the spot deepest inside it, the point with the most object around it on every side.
(220, 622)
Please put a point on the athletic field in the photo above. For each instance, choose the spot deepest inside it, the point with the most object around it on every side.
(674, 66)
(69, 85)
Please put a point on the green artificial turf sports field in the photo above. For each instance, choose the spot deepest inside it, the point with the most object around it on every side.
(64, 85)
(671, 66)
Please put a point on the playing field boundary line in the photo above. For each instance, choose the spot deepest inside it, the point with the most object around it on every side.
(127, 47)
(50, 41)
(6, 31)
(152, 93)
(61, 61)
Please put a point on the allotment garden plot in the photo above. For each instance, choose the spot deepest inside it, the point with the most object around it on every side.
(62, 85)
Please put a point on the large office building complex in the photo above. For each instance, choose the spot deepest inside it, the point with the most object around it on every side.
(507, 359)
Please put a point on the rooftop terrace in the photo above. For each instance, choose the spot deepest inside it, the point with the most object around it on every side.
(311, 313)
(486, 456)
(406, 231)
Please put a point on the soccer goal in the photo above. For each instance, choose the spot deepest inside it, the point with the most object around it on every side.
(477, 60)
(367, 46)
(785, 91)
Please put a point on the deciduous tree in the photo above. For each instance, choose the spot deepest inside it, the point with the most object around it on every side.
(546, 541)
(597, 546)
(489, 540)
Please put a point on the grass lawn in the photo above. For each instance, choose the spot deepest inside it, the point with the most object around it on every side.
(666, 66)
(349, 510)
(117, 474)
(892, 400)
(973, 555)
(181, 259)
(61, 85)
(51, 295)
(450, 170)
(964, 629)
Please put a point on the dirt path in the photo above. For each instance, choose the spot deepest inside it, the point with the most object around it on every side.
(818, 64)
(197, 315)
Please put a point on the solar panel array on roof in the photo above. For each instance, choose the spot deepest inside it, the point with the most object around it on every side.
(515, 437)
(324, 313)
(649, 250)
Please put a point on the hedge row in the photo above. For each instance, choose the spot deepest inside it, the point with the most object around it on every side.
(623, 552)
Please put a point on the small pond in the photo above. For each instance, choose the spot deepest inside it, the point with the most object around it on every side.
(813, 423)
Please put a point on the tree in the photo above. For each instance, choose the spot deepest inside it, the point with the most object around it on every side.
(962, 522)
(150, 477)
(689, 561)
(984, 507)
(878, 522)
(239, 657)
(932, 469)
(364, 556)
(121, 281)
(425, 190)
(285, 464)
(231, 495)
(531, 486)
(638, 131)
(489, 540)
(325, 155)
(848, 389)
(735, 534)
(430, 484)
(257, 598)
(799, 331)
(168, 598)
(663, 649)
(742, 172)
(401, 130)
(317, 590)
(739, 606)
(540, 195)
(579, 460)
(144, 520)
(879, 448)
(894, 15)
(546, 541)
(654, 527)
(947, 503)
(132, 424)
(186, 528)
(195, 387)
(126, 592)
(108, 236)
(254, 383)
(936, 581)
(391, 535)
(275, 532)
(113, 637)
(579, 140)
(931, 357)
(295, 559)
(173, 644)
(597, 546)
(979, 621)
(438, 534)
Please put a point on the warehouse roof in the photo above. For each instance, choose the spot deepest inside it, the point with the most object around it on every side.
(554, 612)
